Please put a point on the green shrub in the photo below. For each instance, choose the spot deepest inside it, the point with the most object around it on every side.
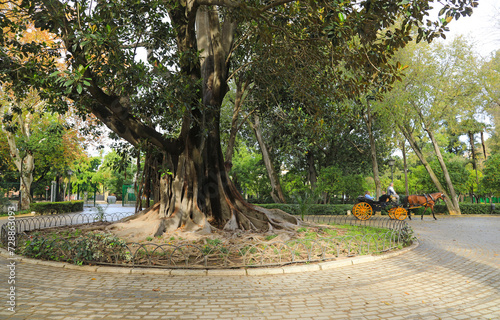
(93, 246)
(56, 207)
(313, 209)
(478, 208)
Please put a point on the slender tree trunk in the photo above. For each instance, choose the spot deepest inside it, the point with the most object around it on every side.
(373, 151)
(474, 157)
(138, 188)
(418, 152)
(276, 192)
(241, 89)
(453, 194)
(311, 171)
(405, 167)
(484, 145)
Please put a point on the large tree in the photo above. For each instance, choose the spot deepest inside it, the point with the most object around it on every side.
(171, 97)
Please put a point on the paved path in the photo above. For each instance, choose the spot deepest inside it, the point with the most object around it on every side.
(453, 274)
(113, 212)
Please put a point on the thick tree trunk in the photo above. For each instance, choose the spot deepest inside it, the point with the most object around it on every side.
(418, 152)
(276, 192)
(196, 193)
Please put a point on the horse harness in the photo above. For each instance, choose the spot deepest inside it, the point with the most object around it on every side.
(426, 196)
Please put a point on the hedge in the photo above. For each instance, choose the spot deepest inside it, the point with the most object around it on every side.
(313, 209)
(341, 209)
(56, 207)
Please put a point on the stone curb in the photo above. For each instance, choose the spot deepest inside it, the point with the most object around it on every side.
(343, 262)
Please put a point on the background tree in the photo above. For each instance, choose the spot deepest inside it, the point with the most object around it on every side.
(441, 84)
(22, 144)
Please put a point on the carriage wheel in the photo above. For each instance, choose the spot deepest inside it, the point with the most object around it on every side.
(400, 213)
(362, 211)
(391, 213)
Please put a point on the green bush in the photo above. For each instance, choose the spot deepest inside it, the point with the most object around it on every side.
(56, 207)
(478, 208)
(92, 246)
(313, 209)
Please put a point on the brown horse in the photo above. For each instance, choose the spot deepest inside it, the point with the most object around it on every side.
(425, 200)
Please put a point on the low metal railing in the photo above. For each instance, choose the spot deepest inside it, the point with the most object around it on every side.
(97, 248)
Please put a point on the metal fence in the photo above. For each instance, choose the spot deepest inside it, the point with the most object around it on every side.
(108, 250)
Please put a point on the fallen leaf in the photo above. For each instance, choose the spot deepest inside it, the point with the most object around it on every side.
(93, 279)
(156, 289)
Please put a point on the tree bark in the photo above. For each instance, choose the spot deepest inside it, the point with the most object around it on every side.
(276, 191)
(484, 145)
(312, 175)
(474, 156)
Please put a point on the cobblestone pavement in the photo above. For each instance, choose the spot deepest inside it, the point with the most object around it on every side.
(453, 274)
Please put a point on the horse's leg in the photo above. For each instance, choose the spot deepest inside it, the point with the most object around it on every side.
(422, 217)
(432, 210)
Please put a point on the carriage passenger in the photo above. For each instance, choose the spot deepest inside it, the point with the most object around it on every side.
(392, 192)
(383, 198)
(368, 196)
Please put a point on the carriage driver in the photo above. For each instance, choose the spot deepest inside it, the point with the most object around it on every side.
(391, 192)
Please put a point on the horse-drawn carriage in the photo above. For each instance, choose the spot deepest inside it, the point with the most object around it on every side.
(365, 207)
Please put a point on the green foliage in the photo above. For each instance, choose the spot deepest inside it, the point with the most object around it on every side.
(250, 175)
(330, 180)
(491, 175)
(313, 209)
(420, 181)
(294, 182)
(75, 247)
(303, 203)
(333, 181)
(113, 173)
(56, 207)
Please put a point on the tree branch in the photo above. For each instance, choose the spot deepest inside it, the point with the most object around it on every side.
(222, 3)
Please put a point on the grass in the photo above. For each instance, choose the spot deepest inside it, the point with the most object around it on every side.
(16, 213)
(358, 230)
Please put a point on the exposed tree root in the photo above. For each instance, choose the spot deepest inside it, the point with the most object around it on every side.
(151, 223)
